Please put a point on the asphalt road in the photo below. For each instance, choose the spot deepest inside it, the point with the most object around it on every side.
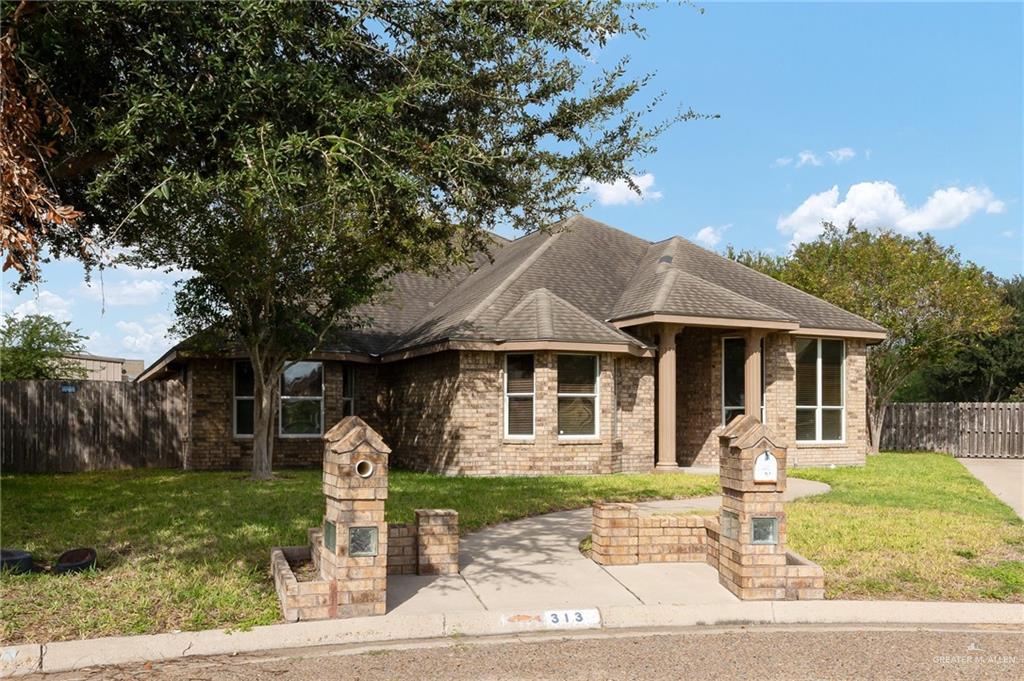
(699, 653)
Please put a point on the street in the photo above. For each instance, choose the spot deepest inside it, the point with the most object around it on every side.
(734, 653)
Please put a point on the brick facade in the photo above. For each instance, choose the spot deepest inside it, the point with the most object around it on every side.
(210, 395)
(699, 400)
(444, 412)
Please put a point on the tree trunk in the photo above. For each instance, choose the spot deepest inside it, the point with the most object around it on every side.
(264, 402)
(876, 421)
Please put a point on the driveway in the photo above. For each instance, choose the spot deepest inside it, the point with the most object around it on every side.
(535, 564)
(1005, 477)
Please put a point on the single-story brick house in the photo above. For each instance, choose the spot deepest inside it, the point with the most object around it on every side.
(581, 350)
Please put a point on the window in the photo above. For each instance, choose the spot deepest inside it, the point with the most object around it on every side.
(302, 399)
(519, 396)
(577, 396)
(244, 402)
(819, 390)
(733, 378)
(348, 390)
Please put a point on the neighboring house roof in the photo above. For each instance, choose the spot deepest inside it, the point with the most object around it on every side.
(580, 282)
(107, 368)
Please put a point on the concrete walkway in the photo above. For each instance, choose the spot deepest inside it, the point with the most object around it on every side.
(536, 564)
(1005, 477)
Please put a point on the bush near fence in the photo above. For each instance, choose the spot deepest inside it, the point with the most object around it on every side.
(71, 426)
(992, 430)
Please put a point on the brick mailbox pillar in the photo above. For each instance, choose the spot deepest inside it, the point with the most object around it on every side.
(752, 561)
(353, 547)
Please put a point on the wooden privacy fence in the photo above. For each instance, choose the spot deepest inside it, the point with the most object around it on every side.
(68, 426)
(992, 430)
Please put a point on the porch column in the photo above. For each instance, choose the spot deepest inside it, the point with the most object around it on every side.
(752, 374)
(667, 396)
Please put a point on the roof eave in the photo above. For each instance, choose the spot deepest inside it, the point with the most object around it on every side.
(876, 336)
(695, 320)
(636, 349)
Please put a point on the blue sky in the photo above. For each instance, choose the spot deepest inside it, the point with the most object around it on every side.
(907, 116)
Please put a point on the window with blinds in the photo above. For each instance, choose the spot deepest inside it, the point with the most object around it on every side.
(820, 394)
(577, 395)
(519, 396)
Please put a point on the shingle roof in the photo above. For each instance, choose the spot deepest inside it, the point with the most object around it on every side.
(661, 286)
(541, 315)
(570, 283)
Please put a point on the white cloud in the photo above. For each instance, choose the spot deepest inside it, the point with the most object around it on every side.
(807, 157)
(710, 236)
(1009, 234)
(45, 302)
(879, 204)
(126, 292)
(148, 338)
(619, 193)
(842, 154)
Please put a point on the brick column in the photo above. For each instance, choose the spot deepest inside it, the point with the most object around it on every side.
(437, 532)
(753, 568)
(615, 534)
(354, 544)
(667, 396)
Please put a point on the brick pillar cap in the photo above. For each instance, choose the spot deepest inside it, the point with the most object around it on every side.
(746, 431)
(352, 431)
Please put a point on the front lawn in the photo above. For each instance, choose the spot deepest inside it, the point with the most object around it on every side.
(190, 550)
(910, 526)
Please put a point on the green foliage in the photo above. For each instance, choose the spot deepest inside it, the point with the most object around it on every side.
(187, 550)
(34, 347)
(295, 156)
(928, 299)
(987, 368)
(767, 263)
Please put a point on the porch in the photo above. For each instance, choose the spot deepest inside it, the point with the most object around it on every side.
(707, 372)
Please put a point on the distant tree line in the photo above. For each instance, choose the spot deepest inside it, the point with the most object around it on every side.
(956, 332)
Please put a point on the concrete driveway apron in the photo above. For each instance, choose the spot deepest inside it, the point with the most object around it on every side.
(1005, 477)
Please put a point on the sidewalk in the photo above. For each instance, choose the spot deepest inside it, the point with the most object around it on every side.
(71, 655)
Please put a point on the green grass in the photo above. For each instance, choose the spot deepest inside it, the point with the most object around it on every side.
(191, 550)
(910, 526)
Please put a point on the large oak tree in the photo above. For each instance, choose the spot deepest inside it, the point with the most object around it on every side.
(295, 156)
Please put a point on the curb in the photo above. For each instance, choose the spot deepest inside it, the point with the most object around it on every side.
(72, 655)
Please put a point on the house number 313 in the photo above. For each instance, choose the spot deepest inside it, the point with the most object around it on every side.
(562, 619)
